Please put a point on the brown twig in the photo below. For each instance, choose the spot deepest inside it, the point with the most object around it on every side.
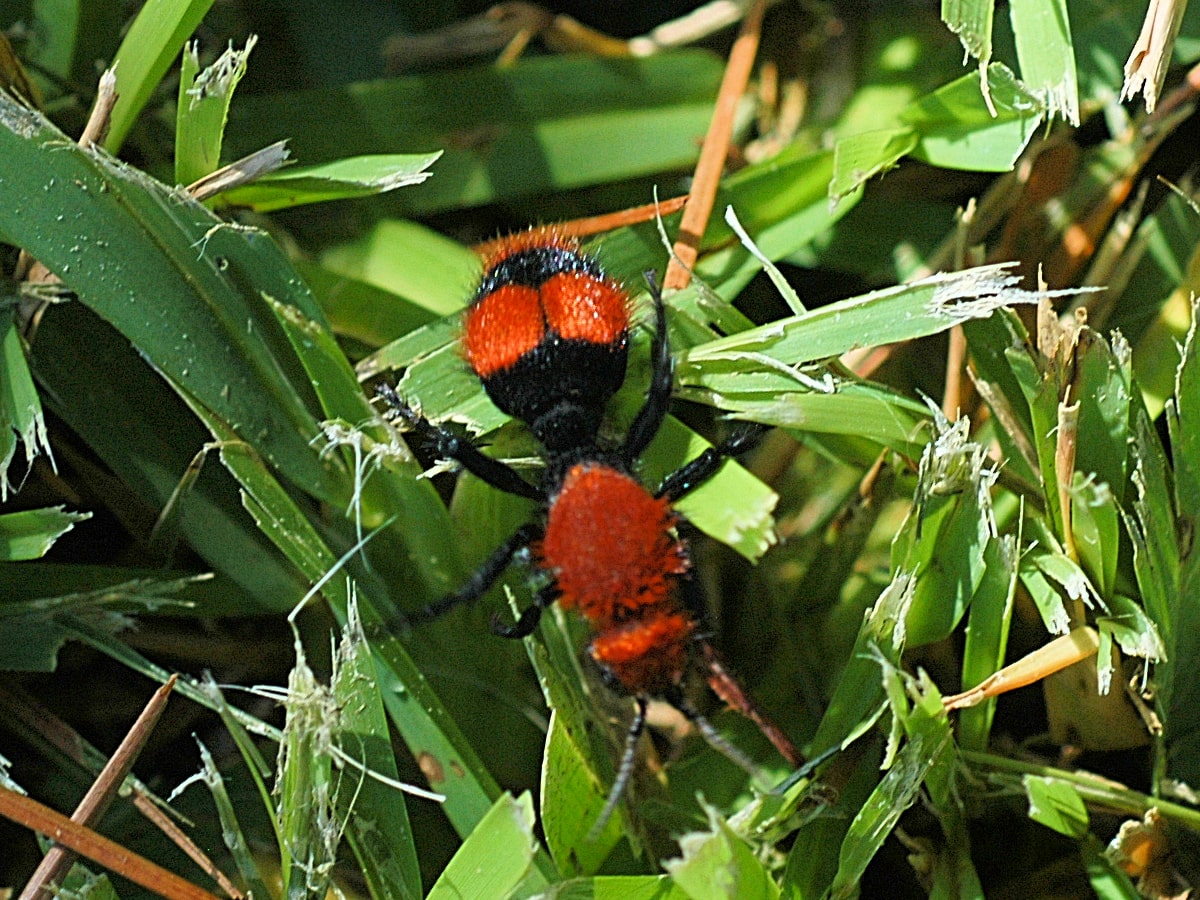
(101, 117)
(634, 215)
(589, 225)
(863, 361)
(707, 177)
(95, 803)
(146, 806)
(33, 718)
(54, 825)
(956, 363)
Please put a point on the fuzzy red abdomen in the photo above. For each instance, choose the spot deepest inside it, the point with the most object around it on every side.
(646, 656)
(611, 547)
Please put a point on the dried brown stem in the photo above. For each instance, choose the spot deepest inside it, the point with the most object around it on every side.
(95, 803)
(707, 177)
(54, 825)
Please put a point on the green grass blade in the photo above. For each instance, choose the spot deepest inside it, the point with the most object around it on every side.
(1042, 29)
(813, 860)
(991, 341)
(988, 625)
(743, 387)
(190, 293)
(150, 46)
(412, 261)
(971, 20)
(375, 814)
(203, 108)
(152, 451)
(860, 157)
(495, 858)
(1107, 878)
(944, 540)
(418, 714)
(72, 35)
(567, 107)
(30, 533)
(926, 759)
(83, 881)
(22, 422)
(361, 312)
(1056, 805)
(581, 752)
(231, 829)
(306, 786)
(571, 800)
(183, 286)
(1149, 523)
(621, 887)
(859, 692)
(355, 176)
(959, 131)
(1183, 418)
(721, 864)
(901, 313)
(36, 628)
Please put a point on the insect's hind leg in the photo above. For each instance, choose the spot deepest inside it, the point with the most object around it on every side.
(625, 768)
(650, 417)
(484, 577)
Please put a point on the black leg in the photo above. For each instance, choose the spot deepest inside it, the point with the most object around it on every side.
(625, 769)
(692, 474)
(448, 445)
(711, 736)
(658, 398)
(530, 616)
(485, 576)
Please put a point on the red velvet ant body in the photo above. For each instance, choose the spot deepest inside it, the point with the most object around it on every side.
(610, 546)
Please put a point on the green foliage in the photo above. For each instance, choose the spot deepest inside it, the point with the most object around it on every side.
(203, 108)
(198, 368)
(150, 46)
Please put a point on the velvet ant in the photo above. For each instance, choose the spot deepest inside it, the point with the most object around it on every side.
(547, 333)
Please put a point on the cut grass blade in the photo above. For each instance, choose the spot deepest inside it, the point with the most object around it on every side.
(203, 108)
(22, 422)
(31, 533)
(355, 176)
(495, 858)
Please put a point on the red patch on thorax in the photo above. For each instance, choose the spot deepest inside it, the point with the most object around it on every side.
(580, 307)
(514, 319)
(502, 328)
